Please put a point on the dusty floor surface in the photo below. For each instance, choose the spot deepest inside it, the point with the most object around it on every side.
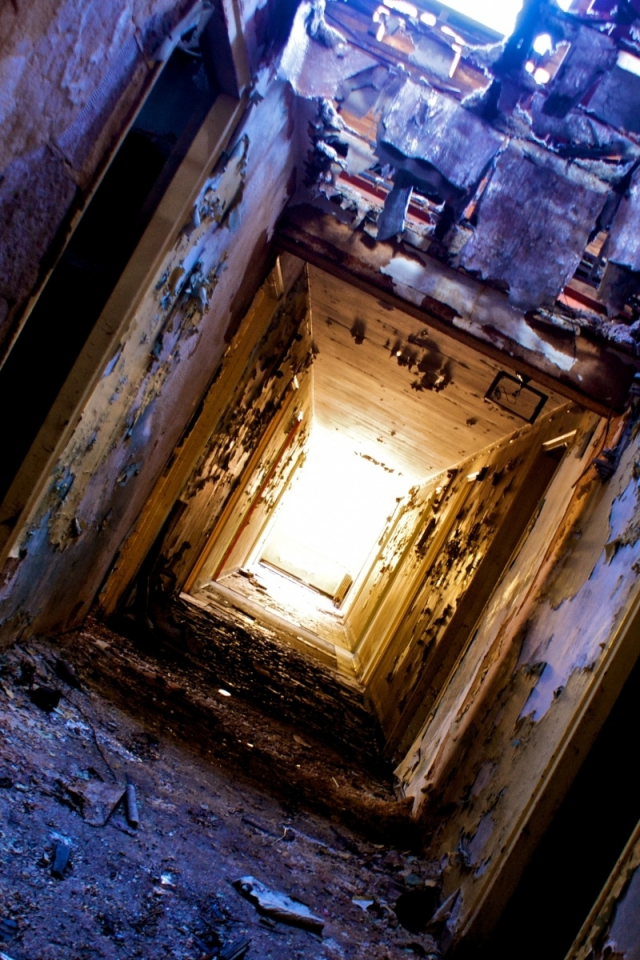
(165, 888)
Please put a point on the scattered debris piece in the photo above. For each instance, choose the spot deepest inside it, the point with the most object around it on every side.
(47, 698)
(98, 800)
(235, 950)
(8, 928)
(131, 803)
(443, 912)
(262, 828)
(363, 904)
(60, 859)
(278, 905)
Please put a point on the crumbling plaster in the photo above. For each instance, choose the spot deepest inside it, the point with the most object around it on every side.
(545, 647)
(489, 237)
(70, 75)
(168, 356)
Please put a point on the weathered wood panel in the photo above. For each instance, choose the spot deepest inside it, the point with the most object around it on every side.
(581, 368)
(465, 538)
(152, 385)
(550, 655)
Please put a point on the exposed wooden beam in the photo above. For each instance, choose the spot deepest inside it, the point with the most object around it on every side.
(589, 372)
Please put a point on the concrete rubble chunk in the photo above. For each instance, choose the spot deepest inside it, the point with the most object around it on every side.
(623, 246)
(591, 55)
(277, 905)
(423, 124)
(98, 800)
(616, 100)
(533, 223)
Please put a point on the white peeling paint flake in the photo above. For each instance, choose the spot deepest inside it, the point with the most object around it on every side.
(574, 635)
(476, 306)
(403, 270)
(528, 338)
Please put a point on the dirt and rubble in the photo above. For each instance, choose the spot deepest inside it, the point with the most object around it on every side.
(207, 819)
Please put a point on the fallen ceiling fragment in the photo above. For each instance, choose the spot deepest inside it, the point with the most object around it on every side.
(508, 169)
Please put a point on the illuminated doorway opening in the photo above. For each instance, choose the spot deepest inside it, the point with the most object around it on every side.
(303, 566)
(323, 539)
(332, 515)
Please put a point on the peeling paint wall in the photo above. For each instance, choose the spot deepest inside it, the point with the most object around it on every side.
(542, 649)
(442, 567)
(396, 539)
(234, 431)
(153, 384)
(264, 412)
(70, 74)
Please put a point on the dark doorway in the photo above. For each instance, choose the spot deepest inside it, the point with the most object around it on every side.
(91, 265)
(581, 847)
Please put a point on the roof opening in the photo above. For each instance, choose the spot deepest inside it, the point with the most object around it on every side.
(498, 15)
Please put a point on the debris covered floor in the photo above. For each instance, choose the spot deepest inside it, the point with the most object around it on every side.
(165, 888)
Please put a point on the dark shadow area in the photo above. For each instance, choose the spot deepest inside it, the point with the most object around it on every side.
(581, 847)
(88, 271)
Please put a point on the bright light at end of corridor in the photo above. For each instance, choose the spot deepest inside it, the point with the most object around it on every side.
(334, 513)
